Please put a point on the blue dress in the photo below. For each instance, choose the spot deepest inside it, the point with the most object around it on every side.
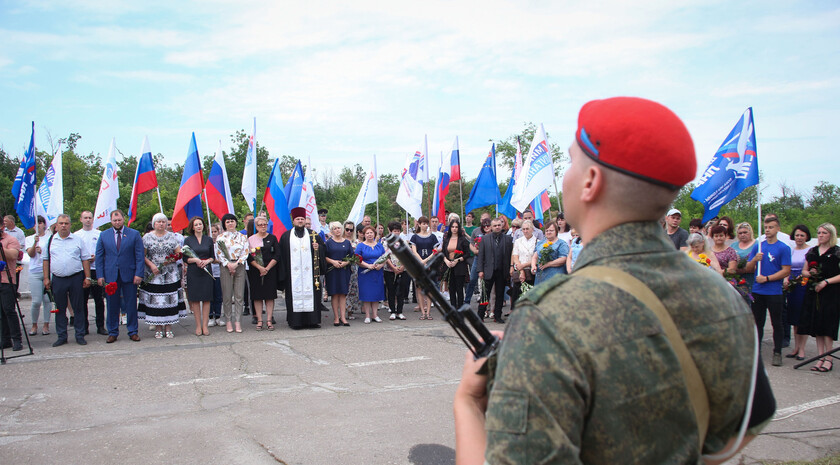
(338, 279)
(558, 249)
(371, 282)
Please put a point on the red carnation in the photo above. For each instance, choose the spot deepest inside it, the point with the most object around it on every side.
(111, 288)
(434, 251)
(708, 261)
(360, 258)
(743, 281)
(478, 240)
(812, 264)
(458, 251)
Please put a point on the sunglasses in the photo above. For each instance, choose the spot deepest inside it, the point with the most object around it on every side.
(348, 229)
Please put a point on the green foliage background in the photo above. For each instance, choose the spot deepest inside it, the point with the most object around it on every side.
(337, 191)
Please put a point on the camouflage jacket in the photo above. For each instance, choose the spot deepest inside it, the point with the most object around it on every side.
(586, 375)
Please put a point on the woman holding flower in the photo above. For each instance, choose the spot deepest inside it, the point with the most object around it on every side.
(423, 243)
(262, 271)
(199, 275)
(160, 301)
(726, 256)
(552, 253)
(698, 252)
(524, 249)
(795, 288)
(742, 246)
(821, 312)
(371, 278)
(338, 248)
(455, 247)
(232, 251)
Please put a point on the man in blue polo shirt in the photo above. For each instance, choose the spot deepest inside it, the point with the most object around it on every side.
(775, 257)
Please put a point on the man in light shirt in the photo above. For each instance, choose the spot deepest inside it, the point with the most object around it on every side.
(90, 235)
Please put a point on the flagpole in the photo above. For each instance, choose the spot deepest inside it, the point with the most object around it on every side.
(159, 201)
(461, 194)
(376, 178)
(207, 205)
(758, 197)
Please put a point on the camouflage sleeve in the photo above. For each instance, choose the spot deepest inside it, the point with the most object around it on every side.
(539, 399)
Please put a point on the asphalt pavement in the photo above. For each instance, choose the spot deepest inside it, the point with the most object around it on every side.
(378, 393)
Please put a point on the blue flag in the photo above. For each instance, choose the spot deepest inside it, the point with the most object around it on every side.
(505, 208)
(733, 168)
(294, 187)
(485, 191)
(25, 199)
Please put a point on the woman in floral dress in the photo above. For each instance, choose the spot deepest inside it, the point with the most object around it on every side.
(160, 300)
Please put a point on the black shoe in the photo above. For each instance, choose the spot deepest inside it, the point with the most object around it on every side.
(102, 332)
(786, 343)
(499, 320)
(81, 341)
(59, 342)
(16, 346)
(273, 321)
(72, 321)
(254, 320)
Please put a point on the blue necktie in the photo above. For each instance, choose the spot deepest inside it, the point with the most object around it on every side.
(119, 238)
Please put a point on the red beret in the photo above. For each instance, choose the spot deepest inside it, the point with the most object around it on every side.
(298, 212)
(638, 137)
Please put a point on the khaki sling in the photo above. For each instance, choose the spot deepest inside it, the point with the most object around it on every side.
(694, 383)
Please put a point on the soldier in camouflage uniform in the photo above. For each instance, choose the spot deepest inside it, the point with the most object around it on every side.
(585, 373)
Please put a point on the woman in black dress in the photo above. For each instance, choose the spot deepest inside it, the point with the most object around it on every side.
(199, 281)
(262, 271)
(821, 312)
(338, 248)
(455, 248)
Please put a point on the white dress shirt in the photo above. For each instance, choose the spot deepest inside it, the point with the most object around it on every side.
(66, 255)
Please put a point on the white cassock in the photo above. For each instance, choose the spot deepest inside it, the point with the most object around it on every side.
(300, 258)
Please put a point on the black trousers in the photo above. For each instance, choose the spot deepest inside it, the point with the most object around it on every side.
(516, 291)
(69, 289)
(98, 303)
(396, 289)
(497, 283)
(774, 304)
(8, 313)
(456, 290)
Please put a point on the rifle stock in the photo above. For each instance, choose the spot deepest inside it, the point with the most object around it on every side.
(465, 322)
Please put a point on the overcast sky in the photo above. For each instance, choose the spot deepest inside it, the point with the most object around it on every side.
(341, 81)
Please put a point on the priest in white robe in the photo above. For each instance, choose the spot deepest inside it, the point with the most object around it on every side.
(302, 255)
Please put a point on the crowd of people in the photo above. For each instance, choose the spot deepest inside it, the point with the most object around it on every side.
(793, 277)
(222, 271)
(230, 269)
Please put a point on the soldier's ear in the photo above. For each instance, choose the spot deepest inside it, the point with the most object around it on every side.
(592, 183)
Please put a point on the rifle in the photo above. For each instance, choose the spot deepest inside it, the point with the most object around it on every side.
(464, 321)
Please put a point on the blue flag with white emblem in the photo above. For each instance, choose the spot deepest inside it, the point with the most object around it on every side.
(733, 168)
(25, 198)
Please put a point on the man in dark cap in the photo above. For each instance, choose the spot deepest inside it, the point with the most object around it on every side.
(301, 252)
(614, 363)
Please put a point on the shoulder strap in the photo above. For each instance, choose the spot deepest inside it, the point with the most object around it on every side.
(49, 243)
(694, 382)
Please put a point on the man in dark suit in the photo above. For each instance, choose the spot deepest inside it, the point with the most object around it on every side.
(493, 264)
(120, 259)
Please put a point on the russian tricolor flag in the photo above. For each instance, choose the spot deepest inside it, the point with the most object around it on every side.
(145, 179)
(275, 201)
(445, 176)
(188, 202)
(217, 189)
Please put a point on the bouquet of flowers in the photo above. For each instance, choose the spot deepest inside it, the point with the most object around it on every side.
(190, 253)
(740, 285)
(111, 288)
(546, 253)
(379, 261)
(704, 260)
(256, 254)
(447, 271)
(223, 248)
(168, 260)
(525, 288)
(483, 299)
(351, 258)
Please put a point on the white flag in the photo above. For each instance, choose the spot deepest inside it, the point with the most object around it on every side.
(367, 195)
(410, 195)
(307, 201)
(109, 189)
(537, 172)
(49, 199)
(249, 176)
